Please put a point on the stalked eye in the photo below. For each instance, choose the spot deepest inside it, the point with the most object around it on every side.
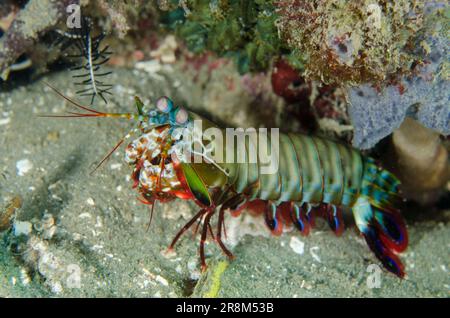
(164, 104)
(182, 116)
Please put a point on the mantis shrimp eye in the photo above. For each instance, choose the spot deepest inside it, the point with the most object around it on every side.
(182, 116)
(164, 104)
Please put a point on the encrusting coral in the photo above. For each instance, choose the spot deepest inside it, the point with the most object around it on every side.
(351, 42)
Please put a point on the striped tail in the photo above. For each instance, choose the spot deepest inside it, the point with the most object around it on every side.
(377, 217)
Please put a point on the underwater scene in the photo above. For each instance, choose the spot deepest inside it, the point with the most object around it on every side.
(224, 148)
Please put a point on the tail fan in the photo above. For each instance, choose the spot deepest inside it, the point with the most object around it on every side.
(383, 252)
(384, 231)
(377, 217)
(392, 229)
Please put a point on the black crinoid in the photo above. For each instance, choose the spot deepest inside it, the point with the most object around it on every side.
(88, 59)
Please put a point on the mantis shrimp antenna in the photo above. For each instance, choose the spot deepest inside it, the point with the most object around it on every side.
(89, 112)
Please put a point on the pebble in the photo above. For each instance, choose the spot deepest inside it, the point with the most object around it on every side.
(22, 228)
(23, 166)
(5, 121)
(313, 250)
(115, 166)
(90, 201)
(52, 136)
(297, 245)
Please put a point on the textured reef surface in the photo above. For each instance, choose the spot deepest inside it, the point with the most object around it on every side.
(423, 95)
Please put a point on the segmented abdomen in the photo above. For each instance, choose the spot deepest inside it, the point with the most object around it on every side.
(310, 169)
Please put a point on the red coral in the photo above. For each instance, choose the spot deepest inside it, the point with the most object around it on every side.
(295, 90)
(287, 83)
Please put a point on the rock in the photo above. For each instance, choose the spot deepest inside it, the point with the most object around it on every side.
(23, 166)
(421, 160)
(22, 228)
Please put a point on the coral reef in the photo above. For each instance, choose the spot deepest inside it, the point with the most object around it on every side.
(221, 85)
(353, 70)
(314, 105)
(7, 214)
(351, 42)
(423, 95)
(121, 18)
(370, 44)
(31, 29)
(242, 30)
(36, 18)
